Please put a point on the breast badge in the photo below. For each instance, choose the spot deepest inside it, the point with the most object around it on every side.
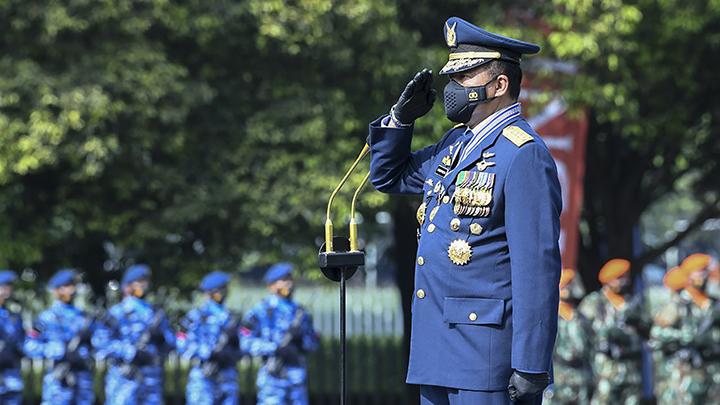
(460, 252)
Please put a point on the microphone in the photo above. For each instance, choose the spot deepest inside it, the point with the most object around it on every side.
(328, 220)
(339, 257)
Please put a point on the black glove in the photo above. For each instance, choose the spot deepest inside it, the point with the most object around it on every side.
(142, 357)
(287, 352)
(8, 357)
(74, 358)
(417, 98)
(225, 357)
(525, 385)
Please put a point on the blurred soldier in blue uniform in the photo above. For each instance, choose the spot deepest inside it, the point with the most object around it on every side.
(281, 332)
(12, 337)
(488, 261)
(62, 334)
(135, 341)
(211, 341)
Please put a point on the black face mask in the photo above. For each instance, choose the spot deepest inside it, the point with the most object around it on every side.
(460, 101)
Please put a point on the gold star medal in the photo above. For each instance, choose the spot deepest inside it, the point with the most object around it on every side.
(459, 252)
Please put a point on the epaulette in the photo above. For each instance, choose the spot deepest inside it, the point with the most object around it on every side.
(517, 136)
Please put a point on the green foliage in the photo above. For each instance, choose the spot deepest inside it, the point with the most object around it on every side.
(207, 134)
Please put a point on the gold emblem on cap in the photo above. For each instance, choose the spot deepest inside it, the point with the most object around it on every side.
(420, 214)
(450, 36)
(476, 229)
(459, 252)
(455, 224)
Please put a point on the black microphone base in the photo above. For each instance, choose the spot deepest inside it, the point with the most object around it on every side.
(340, 260)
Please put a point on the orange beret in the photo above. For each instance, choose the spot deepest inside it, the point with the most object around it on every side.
(566, 277)
(695, 262)
(675, 279)
(613, 269)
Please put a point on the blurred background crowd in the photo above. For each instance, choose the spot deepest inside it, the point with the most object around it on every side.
(205, 135)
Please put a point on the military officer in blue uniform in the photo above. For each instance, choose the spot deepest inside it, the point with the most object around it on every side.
(12, 337)
(488, 261)
(211, 342)
(135, 340)
(62, 334)
(281, 332)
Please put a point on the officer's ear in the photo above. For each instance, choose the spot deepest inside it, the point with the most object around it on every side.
(502, 85)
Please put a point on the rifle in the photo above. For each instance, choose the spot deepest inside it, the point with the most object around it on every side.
(286, 351)
(64, 369)
(228, 338)
(131, 369)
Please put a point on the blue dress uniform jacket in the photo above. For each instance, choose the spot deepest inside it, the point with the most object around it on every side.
(486, 279)
(266, 326)
(54, 328)
(12, 337)
(126, 381)
(203, 327)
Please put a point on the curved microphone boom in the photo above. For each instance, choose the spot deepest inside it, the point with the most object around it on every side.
(328, 219)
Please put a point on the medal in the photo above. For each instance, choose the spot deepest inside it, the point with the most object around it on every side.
(420, 214)
(459, 252)
(484, 197)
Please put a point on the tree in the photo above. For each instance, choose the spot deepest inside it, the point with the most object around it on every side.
(646, 76)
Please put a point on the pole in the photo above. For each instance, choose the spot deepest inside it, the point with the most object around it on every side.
(343, 315)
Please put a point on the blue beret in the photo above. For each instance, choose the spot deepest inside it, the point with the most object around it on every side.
(134, 273)
(471, 46)
(214, 280)
(7, 276)
(277, 271)
(62, 277)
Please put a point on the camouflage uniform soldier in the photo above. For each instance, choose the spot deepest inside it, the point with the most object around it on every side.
(702, 330)
(211, 342)
(617, 361)
(12, 336)
(281, 332)
(135, 342)
(62, 334)
(667, 336)
(573, 354)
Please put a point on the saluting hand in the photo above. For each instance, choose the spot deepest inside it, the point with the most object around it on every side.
(417, 98)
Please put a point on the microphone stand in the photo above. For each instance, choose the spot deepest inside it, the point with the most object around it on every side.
(339, 259)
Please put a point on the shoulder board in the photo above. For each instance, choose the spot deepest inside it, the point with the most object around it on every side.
(517, 136)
